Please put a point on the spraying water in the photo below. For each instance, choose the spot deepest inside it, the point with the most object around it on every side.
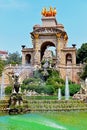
(59, 94)
(67, 89)
(2, 89)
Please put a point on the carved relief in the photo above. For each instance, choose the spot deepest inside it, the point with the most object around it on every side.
(36, 36)
(58, 35)
(65, 38)
(46, 30)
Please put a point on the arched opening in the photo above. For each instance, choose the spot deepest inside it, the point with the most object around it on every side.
(47, 49)
(28, 59)
(68, 59)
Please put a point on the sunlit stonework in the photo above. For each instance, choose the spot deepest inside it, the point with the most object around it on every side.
(50, 34)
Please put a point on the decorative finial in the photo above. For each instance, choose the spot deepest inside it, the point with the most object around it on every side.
(49, 13)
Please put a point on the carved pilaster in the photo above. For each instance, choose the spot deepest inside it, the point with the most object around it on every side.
(36, 36)
(36, 50)
(58, 40)
(58, 47)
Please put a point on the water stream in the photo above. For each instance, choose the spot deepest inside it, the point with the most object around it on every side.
(67, 89)
(2, 89)
(59, 94)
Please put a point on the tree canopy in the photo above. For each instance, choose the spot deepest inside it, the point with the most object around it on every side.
(14, 58)
(1, 66)
(81, 55)
(84, 73)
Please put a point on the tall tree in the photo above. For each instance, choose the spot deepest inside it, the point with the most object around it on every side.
(81, 55)
(14, 58)
(84, 73)
(1, 66)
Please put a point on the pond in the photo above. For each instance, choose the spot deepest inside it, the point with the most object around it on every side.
(45, 121)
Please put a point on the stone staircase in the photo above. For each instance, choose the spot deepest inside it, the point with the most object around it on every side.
(50, 105)
(56, 105)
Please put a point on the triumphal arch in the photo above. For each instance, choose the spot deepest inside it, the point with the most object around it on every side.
(51, 33)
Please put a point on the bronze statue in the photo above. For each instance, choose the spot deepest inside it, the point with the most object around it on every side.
(49, 13)
(16, 83)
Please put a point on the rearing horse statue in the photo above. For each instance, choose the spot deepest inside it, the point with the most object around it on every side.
(51, 13)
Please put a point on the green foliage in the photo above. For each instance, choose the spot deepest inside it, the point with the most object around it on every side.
(8, 90)
(51, 85)
(14, 58)
(84, 73)
(73, 88)
(31, 84)
(49, 89)
(55, 80)
(37, 83)
(40, 89)
(31, 81)
(53, 73)
(37, 74)
(1, 66)
(81, 55)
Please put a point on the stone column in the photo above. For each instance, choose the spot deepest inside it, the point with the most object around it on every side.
(36, 50)
(58, 47)
(23, 59)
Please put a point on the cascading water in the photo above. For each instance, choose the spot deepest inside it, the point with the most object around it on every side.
(2, 89)
(67, 89)
(59, 94)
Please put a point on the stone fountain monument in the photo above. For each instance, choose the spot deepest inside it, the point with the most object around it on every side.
(82, 94)
(16, 102)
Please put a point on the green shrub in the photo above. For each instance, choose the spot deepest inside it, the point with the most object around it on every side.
(39, 89)
(49, 89)
(8, 90)
(30, 84)
(73, 88)
(47, 83)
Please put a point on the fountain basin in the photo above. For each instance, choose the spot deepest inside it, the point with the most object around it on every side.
(45, 121)
(28, 122)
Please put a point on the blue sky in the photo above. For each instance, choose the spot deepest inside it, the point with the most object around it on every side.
(17, 18)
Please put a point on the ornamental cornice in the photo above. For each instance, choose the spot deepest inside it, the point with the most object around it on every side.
(45, 30)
